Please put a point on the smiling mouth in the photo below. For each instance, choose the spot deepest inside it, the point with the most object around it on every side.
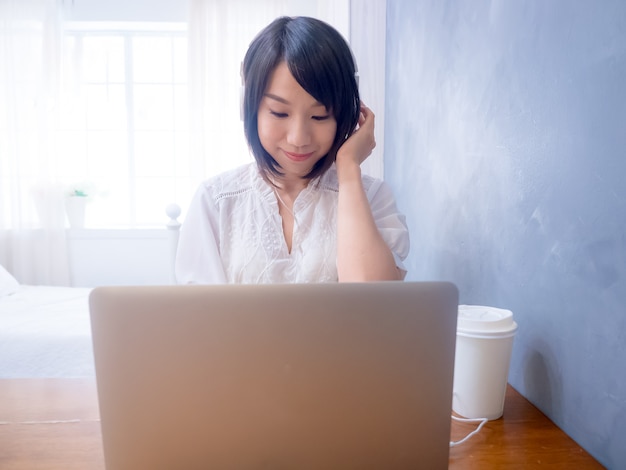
(298, 157)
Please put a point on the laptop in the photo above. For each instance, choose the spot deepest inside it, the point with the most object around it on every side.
(341, 375)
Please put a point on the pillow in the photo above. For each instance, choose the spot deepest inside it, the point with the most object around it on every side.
(8, 284)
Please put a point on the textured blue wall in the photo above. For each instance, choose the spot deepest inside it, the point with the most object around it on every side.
(505, 142)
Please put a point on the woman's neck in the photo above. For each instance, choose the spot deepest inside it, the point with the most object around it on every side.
(290, 186)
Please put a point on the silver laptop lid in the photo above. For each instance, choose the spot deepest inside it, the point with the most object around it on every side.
(275, 376)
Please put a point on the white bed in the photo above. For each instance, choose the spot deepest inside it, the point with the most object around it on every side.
(45, 331)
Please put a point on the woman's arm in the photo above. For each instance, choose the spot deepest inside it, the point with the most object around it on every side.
(362, 253)
(197, 258)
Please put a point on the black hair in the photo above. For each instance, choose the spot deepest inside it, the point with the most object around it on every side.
(322, 63)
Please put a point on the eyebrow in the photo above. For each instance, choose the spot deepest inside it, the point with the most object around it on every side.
(284, 101)
(277, 98)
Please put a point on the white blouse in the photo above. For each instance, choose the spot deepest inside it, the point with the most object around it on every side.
(233, 233)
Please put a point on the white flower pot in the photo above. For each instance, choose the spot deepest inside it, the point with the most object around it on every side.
(75, 210)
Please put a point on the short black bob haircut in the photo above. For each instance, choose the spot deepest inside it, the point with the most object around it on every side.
(322, 63)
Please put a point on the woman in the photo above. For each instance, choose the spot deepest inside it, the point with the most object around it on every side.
(303, 212)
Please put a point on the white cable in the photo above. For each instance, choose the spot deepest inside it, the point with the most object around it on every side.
(64, 421)
(482, 422)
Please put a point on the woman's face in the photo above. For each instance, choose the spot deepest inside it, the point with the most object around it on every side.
(294, 128)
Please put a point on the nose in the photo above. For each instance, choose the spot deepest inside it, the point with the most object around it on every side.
(299, 133)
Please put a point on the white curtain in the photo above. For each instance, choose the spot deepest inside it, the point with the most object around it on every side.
(32, 217)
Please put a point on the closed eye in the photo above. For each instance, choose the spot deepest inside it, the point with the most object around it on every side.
(284, 115)
(278, 115)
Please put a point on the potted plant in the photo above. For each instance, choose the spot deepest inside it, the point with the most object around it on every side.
(75, 207)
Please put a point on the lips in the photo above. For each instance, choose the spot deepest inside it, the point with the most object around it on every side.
(298, 157)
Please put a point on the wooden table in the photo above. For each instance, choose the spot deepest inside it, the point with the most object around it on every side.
(66, 432)
(523, 438)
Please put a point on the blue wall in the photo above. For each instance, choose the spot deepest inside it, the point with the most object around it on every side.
(505, 142)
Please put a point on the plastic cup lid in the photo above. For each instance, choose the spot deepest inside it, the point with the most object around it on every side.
(478, 319)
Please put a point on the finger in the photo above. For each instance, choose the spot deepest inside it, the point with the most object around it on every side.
(366, 110)
(368, 120)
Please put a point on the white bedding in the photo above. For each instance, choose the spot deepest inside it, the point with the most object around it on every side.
(45, 332)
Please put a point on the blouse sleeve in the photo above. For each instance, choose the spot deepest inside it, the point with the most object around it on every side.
(198, 258)
(390, 222)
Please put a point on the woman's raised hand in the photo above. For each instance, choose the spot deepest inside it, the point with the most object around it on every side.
(360, 144)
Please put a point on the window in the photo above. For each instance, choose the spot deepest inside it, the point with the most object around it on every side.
(124, 132)
(135, 110)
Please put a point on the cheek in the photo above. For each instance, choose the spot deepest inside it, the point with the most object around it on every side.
(327, 135)
(268, 133)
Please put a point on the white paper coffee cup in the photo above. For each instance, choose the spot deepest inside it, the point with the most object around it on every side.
(484, 343)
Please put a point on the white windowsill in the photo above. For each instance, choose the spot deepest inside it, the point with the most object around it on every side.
(116, 233)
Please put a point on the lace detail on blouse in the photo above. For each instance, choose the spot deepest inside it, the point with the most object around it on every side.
(233, 231)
